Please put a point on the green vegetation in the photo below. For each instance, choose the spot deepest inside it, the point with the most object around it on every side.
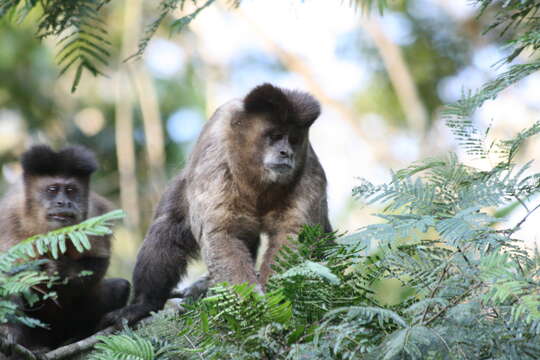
(466, 288)
(443, 276)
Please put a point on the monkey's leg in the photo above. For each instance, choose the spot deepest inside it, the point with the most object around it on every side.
(113, 294)
(275, 242)
(197, 289)
(228, 258)
(70, 269)
(161, 261)
(108, 295)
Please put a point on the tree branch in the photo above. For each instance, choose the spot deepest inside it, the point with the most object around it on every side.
(78, 347)
(88, 343)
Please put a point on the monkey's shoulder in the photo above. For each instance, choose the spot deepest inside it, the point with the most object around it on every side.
(173, 201)
(98, 205)
(11, 214)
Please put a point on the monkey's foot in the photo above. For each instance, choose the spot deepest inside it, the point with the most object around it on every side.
(130, 314)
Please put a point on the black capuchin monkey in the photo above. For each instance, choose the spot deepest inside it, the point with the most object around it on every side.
(252, 171)
(54, 192)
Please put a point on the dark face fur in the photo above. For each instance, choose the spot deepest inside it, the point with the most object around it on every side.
(58, 201)
(56, 184)
(284, 149)
(274, 130)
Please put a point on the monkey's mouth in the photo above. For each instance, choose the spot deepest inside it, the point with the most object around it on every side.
(281, 167)
(62, 217)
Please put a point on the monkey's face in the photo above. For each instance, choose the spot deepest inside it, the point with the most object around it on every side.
(284, 150)
(59, 201)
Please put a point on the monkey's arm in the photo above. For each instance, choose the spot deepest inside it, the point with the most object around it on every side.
(310, 208)
(96, 260)
(70, 269)
(228, 258)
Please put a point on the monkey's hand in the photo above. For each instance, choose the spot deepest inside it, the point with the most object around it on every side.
(130, 314)
(195, 290)
(84, 272)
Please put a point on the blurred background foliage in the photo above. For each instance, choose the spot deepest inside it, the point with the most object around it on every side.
(382, 82)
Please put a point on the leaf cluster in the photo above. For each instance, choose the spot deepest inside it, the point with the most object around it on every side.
(520, 18)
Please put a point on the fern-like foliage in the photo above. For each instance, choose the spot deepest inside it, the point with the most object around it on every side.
(520, 18)
(463, 285)
(82, 36)
(133, 347)
(232, 313)
(367, 5)
(165, 10)
(467, 288)
(82, 33)
(55, 241)
(21, 266)
(83, 45)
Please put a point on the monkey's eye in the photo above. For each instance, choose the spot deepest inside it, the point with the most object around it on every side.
(52, 189)
(276, 136)
(70, 189)
(294, 140)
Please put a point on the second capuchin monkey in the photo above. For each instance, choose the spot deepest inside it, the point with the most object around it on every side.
(54, 192)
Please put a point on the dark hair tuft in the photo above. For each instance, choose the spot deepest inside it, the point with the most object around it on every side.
(267, 98)
(41, 160)
(283, 105)
(306, 108)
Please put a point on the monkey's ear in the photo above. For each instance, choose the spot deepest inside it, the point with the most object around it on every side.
(267, 98)
(306, 108)
(78, 160)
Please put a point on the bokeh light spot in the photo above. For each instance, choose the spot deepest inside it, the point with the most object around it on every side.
(184, 125)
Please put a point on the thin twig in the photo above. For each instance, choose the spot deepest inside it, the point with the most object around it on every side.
(524, 219)
(452, 303)
(435, 290)
(521, 202)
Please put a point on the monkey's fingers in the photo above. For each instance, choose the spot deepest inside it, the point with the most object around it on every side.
(129, 315)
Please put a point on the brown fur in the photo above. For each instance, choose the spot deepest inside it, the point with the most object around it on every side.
(227, 196)
(24, 212)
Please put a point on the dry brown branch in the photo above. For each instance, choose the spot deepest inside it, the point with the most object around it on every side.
(88, 343)
(78, 347)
